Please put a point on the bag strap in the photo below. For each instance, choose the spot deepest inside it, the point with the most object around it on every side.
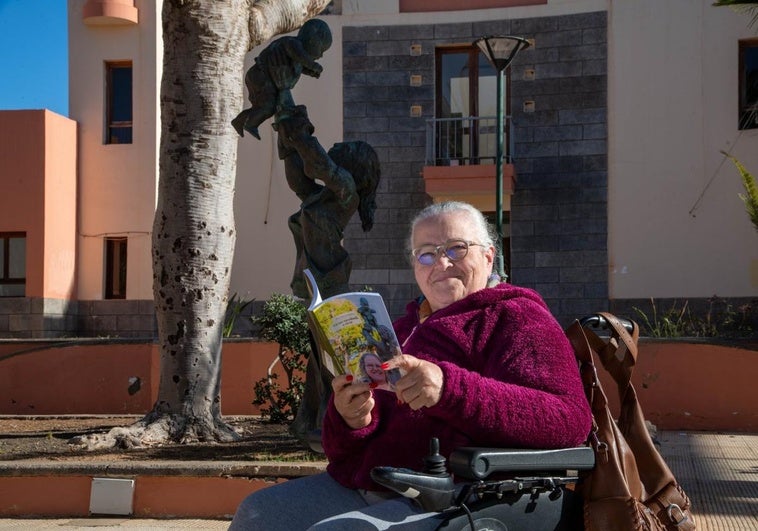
(619, 354)
(582, 343)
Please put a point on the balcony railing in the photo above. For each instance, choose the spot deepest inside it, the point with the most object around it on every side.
(466, 140)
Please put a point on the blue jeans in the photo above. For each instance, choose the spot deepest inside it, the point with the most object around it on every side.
(320, 503)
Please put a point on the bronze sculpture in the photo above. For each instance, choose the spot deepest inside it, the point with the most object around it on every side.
(276, 71)
(349, 171)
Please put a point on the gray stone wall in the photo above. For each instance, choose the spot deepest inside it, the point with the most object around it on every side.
(559, 218)
(26, 317)
(559, 209)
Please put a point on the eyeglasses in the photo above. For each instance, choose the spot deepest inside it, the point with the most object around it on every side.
(454, 250)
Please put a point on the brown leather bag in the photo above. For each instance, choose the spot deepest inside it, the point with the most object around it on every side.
(631, 487)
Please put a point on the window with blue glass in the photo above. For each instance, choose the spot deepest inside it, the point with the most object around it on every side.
(118, 103)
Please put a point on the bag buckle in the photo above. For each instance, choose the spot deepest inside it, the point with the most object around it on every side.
(600, 447)
(676, 514)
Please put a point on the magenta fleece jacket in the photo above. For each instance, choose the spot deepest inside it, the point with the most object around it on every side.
(510, 380)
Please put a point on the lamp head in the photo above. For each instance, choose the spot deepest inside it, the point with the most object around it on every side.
(500, 50)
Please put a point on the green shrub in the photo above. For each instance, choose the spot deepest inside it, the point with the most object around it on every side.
(750, 197)
(283, 321)
(234, 308)
(720, 319)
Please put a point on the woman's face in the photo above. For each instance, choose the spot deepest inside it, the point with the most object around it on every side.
(373, 367)
(445, 281)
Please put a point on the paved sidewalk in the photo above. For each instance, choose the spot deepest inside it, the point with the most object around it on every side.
(719, 471)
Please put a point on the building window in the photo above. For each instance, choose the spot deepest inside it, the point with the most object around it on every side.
(118, 99)
(748, 84)
(466, 107)
(115, 268)
(12, 264)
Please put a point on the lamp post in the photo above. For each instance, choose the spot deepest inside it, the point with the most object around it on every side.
(500, 51)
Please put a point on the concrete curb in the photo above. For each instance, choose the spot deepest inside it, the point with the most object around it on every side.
(243, 469)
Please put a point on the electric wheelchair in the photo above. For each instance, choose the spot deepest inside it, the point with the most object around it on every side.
(499, 489)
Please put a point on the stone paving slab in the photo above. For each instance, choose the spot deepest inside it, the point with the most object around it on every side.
(719, 472)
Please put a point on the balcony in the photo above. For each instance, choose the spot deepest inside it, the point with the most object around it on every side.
(110, 13)
(461, 157)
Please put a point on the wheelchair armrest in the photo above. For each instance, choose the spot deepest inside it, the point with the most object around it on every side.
(479, 463)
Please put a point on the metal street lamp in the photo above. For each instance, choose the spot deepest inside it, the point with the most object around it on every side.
(500, 51)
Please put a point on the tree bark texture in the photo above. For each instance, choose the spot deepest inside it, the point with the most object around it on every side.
(205, 43)
(193, 231)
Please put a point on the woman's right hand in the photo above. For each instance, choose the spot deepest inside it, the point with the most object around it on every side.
(353, 401)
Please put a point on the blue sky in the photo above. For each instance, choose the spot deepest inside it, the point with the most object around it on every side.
(34, 55)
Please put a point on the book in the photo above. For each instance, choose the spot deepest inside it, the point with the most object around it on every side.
(354, 334)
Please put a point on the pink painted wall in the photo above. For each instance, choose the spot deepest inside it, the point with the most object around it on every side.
(59, 275)
(38, 378)
(154, 496)
(693, 386)
(686, 386)
(38, 184)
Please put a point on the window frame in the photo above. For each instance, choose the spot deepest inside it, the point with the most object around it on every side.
(111, 125)
(746, 112)
(110, 277)
(475, 55)
(5, 278)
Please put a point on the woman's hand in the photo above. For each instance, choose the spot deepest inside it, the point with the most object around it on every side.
(421, 384)
(353, 401)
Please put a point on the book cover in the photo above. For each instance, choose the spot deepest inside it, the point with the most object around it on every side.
(354, 334)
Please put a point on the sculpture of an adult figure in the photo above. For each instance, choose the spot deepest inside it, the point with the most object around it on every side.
(350, 172)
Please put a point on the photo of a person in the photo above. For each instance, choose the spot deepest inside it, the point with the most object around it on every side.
(371, 368)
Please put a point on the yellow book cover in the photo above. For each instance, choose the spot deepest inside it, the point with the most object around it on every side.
(354, 334)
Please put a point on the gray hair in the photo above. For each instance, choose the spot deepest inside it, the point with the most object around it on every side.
(484, 233)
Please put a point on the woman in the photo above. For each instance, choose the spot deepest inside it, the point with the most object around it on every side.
(371, 368)
(482, 367)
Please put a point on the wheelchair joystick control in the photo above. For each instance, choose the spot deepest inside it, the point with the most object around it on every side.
(432, 489)
(434, 463)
